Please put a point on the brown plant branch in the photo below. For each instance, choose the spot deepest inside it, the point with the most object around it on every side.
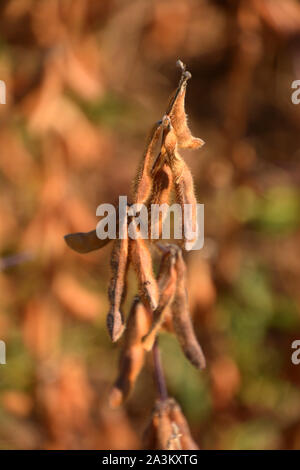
(159, 373)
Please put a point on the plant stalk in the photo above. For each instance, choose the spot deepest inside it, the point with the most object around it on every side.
(159, 375)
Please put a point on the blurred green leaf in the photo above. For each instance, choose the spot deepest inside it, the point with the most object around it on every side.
(186, 383)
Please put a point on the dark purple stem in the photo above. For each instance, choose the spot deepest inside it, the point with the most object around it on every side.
(159, 373)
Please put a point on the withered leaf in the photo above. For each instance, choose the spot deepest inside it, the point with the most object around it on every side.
(84, 242)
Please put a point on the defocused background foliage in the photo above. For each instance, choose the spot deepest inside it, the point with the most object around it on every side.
(85, 81)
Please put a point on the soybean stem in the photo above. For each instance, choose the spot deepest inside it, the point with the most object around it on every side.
(159, 373)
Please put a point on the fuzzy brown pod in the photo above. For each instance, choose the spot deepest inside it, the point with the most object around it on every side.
(162, 186)
(133, 353)
(141, 259)
(185, 196)
(182, 180)
(118, 284)
(176, 111)
(160, 195)
(167, 278)
(182, 321)
(168, 428)
(159, 430)
(168, 145)
(177, 417)
(143, 180)
(184, 190)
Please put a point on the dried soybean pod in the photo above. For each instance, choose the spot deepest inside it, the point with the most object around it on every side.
(117, 287)
(174, 442)
(177, 114)
(141, 260)
(182, 320)
(169, 143)
(174, 95)
(167, 278)
(167, 323)
(162, 177)
(150, 433)
(133, 354)
(173, 157)
(176, 416)
(183, 185)
(182, 180)
(162, 433)
(85, 242)
(162, 186)
(143, 180)
(164, 426)
(161, 190)
(185, 196)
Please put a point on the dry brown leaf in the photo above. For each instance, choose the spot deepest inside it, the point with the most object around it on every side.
(41, 326)
(226, 380)
(17, 403)
(78, 301)
(64, 397)
(85, 242)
